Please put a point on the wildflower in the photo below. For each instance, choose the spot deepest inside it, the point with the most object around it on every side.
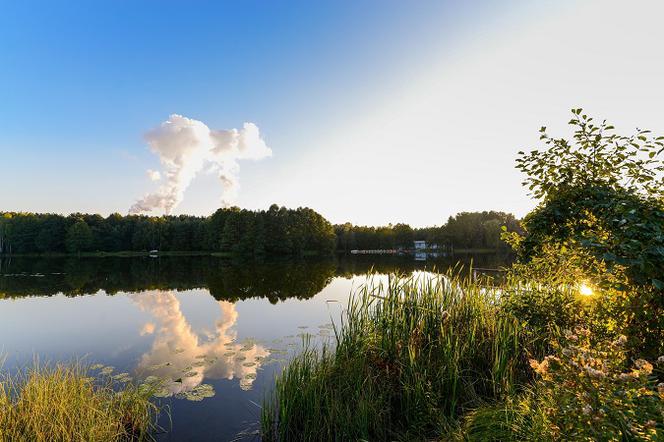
(583, 332)
(571, 336)
(660, 360)
(533, 364)
(626, 376)
(587, 410)
(643, 366)
(540, 368)
(622, 340)
(551, 358)
(594, 373)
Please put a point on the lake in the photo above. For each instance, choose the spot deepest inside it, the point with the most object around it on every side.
(194, 320)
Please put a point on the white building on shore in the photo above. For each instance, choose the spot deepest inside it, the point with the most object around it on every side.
(419, 245)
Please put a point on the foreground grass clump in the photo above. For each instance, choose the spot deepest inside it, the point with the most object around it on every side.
(411, 357)
(67, 403)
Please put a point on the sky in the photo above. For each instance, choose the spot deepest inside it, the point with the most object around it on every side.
(372, 112)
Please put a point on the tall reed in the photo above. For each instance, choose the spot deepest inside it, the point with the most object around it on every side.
(411, 356)
(64, 402)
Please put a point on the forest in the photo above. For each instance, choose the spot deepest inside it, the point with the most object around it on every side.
(277, 231)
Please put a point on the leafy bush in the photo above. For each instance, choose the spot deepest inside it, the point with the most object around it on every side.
(599, 394)
(601, 219)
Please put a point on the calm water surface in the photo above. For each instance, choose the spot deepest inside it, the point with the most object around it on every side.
(192, 320)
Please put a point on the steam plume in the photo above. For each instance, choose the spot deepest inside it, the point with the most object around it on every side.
(186, 147)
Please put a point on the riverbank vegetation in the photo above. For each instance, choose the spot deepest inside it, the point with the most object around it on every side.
(69, 403)
(451, 357)
(567, 345)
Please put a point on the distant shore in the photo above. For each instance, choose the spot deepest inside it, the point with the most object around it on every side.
(131, 254)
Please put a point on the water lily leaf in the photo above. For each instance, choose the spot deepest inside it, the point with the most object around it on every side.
(122, 377)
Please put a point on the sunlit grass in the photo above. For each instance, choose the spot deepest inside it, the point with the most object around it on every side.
(411, 357)
(64, 402)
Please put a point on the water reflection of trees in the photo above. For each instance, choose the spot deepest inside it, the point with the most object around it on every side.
(226, 280)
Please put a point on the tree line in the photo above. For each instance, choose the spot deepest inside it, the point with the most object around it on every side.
(239, 232)
(276, 231)
(466, 230)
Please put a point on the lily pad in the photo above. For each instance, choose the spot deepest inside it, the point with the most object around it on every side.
(199, 392)
(122, 377)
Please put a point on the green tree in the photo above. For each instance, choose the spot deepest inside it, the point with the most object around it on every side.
(79, 237)
(230, 238)
(600, 218)
(603, 192)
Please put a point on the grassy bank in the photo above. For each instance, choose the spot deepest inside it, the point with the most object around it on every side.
(68, 403)
(452, 358)
(411, 357)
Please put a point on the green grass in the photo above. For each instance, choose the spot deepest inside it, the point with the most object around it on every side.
(411, 358)
(67, 403)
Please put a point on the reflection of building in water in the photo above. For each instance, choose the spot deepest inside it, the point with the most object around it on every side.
(179, 354)
(419, 245)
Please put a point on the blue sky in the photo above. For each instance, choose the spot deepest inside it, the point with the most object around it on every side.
(358, 100)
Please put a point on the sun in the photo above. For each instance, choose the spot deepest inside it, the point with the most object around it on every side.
(585, 289)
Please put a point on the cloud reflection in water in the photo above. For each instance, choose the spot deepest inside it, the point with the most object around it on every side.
(179, 354)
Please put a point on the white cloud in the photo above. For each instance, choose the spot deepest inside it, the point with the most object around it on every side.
(187, 147)
(154, 175)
